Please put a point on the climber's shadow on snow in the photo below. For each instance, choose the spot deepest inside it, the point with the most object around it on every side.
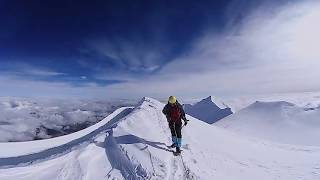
(110, 140)
(132, 139)
(119, 159)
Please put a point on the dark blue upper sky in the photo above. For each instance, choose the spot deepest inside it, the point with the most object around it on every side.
(62, 36)
(106, 42)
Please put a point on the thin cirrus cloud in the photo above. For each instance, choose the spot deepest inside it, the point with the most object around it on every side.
(25, 69)
(130, 55)
(23, 74)
(272, 49)
(267, 53)
(41, 72)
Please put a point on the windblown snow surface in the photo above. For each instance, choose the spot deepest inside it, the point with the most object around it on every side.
(131, 144)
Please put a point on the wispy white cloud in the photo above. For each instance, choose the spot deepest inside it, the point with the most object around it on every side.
(131, 55)
(288, 35)
(42, 72)
(267, 53)
(23, 69)
(11, 86)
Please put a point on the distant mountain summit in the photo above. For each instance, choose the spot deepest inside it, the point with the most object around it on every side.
(277, 121)
(209, 110)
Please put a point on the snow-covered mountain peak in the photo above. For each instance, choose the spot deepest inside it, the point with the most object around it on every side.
(213, 101)
(278, 121)
(272, 104)
(208, 99)
(147, 101)
(209, 110)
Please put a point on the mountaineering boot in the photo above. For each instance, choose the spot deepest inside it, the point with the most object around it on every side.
(178, 145)
(178, 151)
(179, 142)
(174, 142)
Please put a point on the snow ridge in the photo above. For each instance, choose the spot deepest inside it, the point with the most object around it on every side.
(83, 137)
(132, 144)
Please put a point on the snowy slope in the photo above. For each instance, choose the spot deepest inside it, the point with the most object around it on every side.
(25, 119)
(277, 121)
(14, 149)
(208, 110)
(302, 99)
(132, 145)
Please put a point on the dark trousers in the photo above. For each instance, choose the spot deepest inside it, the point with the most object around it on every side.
(175, 129)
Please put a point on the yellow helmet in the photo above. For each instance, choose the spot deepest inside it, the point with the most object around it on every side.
(172, 100)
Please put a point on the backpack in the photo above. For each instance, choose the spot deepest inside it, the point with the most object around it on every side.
(175, 113)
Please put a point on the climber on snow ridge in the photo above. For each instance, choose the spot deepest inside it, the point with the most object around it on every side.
(174, 113)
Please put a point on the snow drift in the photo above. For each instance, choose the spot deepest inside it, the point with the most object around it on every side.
(208, 110)
(131, 144)
(277, 121)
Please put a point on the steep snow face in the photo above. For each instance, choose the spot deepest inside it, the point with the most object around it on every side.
(134, 146)
(277, 121)
(208, 110)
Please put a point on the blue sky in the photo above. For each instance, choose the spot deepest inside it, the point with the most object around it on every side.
(129, 49)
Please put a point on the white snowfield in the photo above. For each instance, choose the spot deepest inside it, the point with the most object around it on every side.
(278, 122)
(131, 144)
(302, 99)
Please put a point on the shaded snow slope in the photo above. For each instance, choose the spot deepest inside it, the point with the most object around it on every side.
(208, 110)
(133, 146)
(277, 121)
